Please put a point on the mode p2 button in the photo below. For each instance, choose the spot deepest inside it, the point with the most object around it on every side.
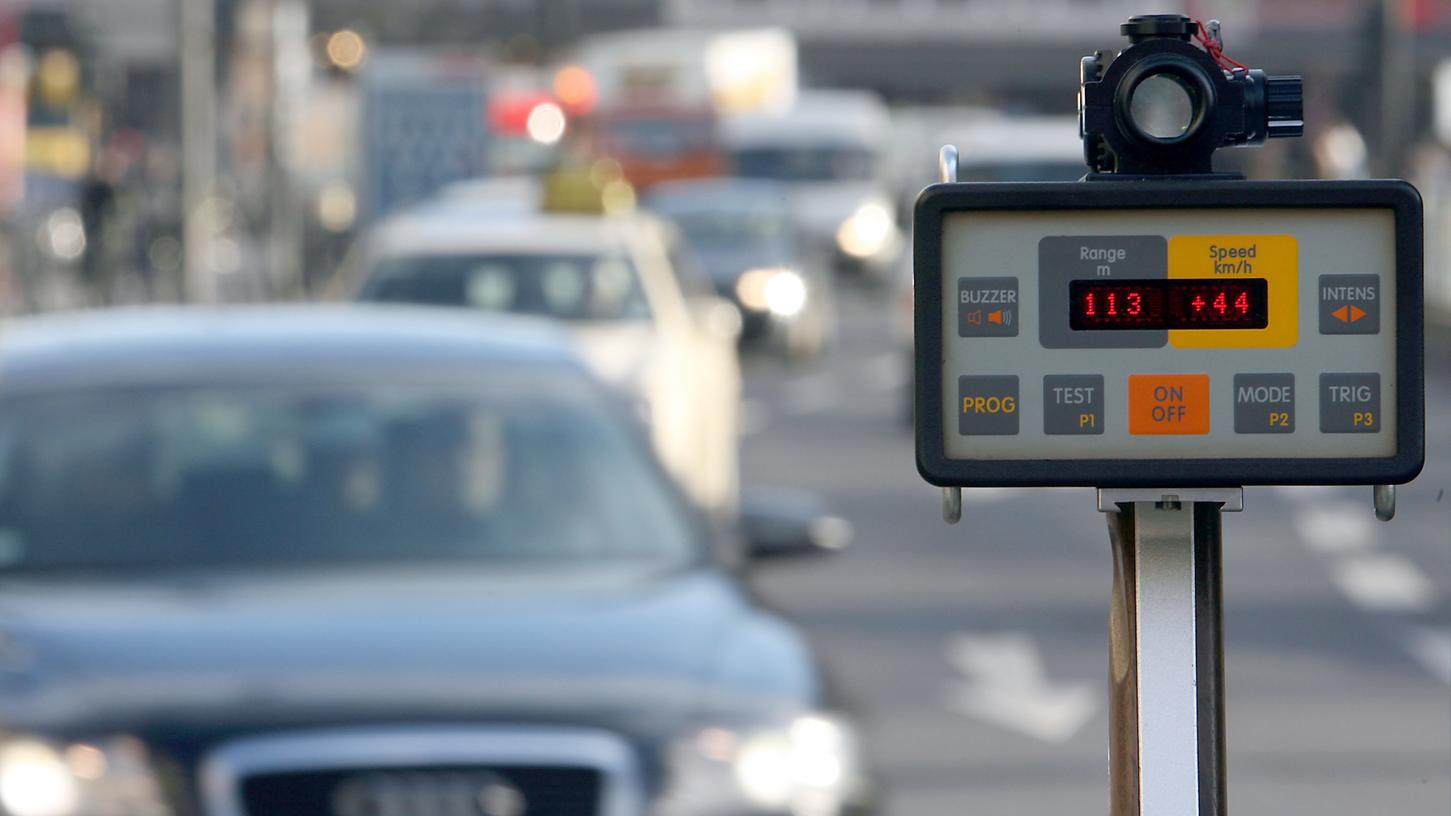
(987, 406)
(1168, 403)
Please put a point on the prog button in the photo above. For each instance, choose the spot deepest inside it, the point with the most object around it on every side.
(987, 406)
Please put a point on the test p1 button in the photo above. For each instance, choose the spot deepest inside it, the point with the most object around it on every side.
(1073, 404)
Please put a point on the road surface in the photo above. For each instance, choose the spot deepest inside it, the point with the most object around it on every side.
(977, 654)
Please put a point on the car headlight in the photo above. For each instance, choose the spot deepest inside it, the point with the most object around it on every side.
(867, 232)
(777, 290)
(39, 778)
(809, 766)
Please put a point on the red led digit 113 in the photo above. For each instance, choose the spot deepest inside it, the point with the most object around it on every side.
(1178, 303)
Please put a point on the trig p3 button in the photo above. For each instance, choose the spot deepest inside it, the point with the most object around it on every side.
(1350, 403)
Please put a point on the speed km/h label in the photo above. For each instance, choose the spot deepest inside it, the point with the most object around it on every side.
(1234, 259)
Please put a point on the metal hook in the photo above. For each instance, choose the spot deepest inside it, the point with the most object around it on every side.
(947, 164)
(952, 504)
(1384, 497)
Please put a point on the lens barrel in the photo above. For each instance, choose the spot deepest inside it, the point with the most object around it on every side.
(1284, 106)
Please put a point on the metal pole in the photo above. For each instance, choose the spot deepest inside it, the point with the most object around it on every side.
(196, 41)
(1166, 651)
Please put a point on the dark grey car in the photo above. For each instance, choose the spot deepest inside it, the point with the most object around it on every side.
(360, 563)
(747, 239)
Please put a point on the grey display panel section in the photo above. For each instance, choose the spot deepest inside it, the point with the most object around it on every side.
(1066, 258)
(1012, 243)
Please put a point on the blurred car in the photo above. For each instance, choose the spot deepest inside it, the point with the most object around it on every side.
(743, 234)
(831, 150)
(1006, 148)
(646, 319)
(356, 561)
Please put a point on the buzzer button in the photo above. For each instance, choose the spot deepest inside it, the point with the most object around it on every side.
(987, 307)
(1168, 403)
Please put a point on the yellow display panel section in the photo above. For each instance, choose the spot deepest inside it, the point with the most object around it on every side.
(1275, 258)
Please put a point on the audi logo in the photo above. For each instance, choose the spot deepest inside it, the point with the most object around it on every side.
(427, 793)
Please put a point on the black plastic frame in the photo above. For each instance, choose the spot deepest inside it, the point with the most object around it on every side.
(939, 200)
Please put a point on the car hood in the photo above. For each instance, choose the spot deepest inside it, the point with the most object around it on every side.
(640, 655)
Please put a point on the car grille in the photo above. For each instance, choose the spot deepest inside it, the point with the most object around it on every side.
(424, 771)
(425, 791)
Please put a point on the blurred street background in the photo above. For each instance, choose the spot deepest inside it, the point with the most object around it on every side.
(237, 151)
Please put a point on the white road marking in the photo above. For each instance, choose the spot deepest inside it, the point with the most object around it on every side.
(1384, 583)
(755, 417)
(810, 394)
(1432, 649)
(1003, 683)
(1339, 527)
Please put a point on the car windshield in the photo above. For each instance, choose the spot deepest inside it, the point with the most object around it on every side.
(569, 287)
(817, 163)
(715, 229)
(334, 474)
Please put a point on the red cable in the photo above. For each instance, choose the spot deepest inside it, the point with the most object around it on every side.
(1216, 50)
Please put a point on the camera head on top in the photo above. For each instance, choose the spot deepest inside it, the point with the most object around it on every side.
(1163, 105)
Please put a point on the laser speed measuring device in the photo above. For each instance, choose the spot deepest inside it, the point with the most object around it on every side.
(1160, 324)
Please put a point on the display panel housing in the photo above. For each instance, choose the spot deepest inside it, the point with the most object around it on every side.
(1317, 379)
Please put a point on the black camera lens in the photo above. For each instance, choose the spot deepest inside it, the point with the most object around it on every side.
(1162, 107)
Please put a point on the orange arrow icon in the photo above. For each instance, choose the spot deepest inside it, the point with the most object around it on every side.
(1348, 314)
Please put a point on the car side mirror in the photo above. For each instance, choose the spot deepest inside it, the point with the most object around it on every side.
(785, 523)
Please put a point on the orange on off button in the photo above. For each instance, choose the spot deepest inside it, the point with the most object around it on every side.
(1168, 403)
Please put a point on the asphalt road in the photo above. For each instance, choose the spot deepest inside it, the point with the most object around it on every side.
(977, 654)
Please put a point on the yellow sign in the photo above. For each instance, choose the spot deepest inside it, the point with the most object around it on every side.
(1274, 258)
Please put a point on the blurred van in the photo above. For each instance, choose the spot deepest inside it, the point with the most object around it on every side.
(832, 152)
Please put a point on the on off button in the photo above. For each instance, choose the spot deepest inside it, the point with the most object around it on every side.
(1168, 403)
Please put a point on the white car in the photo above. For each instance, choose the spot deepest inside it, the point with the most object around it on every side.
(646, 319)
(831, 153)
